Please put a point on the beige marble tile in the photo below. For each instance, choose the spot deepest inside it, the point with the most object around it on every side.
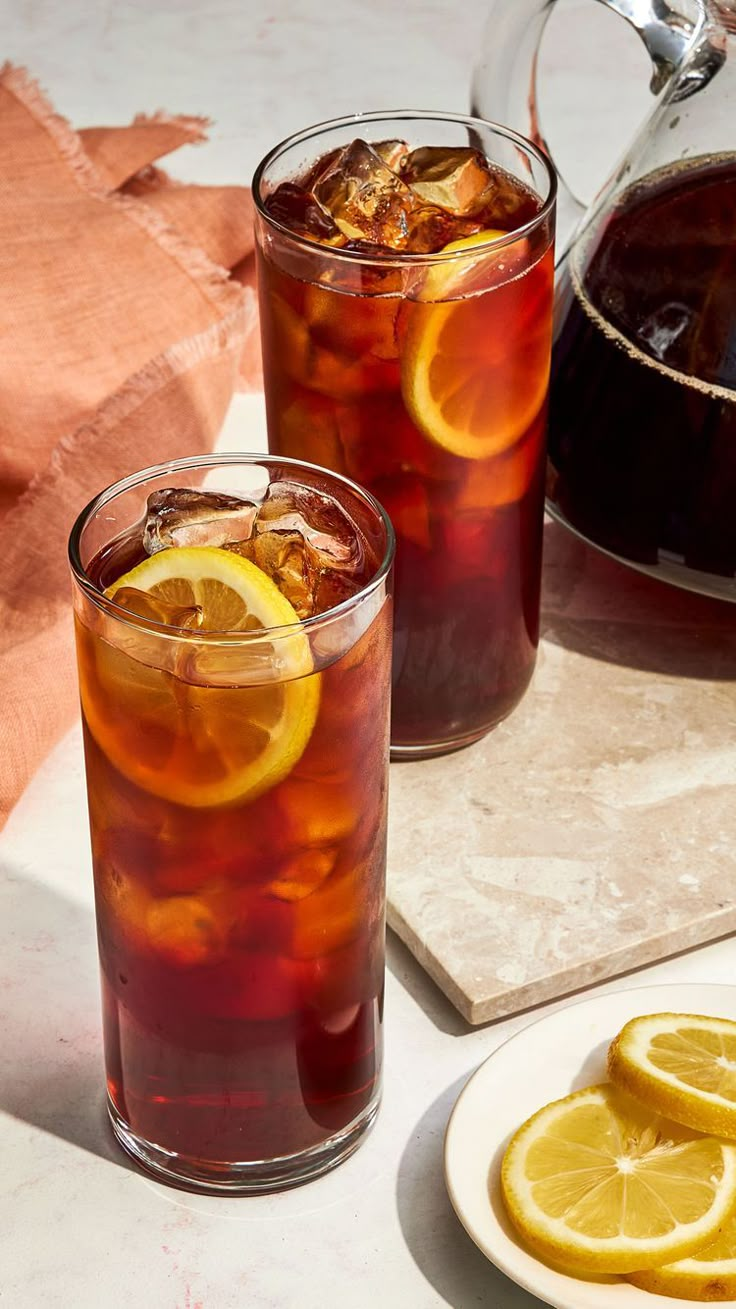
(593, 831)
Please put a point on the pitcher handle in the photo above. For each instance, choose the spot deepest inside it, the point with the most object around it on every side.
(505, 81)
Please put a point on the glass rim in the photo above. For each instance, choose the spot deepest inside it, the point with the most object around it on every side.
(214, 637)
(401, 257)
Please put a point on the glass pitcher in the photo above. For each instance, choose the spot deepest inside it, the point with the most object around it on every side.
(642, 440)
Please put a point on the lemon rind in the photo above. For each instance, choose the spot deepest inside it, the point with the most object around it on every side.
(224, 565)
(552, 1239)
(437, 290)
(417, 397)
(630, 1068)
(679, 1282)
(301, 687)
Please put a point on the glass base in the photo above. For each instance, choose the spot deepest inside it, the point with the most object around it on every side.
(432, 748)
(669, 568)
(250, 1177)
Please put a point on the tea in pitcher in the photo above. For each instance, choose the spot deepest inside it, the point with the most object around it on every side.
(643, 401)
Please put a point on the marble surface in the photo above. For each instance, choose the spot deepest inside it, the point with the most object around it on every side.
(263, 69)
(79, 1227)
(592, 831)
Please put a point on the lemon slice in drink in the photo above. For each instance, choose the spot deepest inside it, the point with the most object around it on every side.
(709, 1275)
(684, 1065)
(166, 728)
(472, 377)
(596, 1181)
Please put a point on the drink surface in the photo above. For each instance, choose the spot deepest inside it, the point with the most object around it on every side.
(238, 808)
(643, 402)
(426, 384)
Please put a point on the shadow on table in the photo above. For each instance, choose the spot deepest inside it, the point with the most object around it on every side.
(596, 606)
(51, 1073)
(438, 1243)
(405, 968)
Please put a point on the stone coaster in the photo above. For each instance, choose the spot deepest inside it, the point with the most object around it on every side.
(594, 830)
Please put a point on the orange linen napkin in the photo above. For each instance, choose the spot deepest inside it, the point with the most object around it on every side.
(122, 340)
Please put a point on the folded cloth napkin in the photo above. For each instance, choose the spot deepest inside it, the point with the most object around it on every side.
(123, 337)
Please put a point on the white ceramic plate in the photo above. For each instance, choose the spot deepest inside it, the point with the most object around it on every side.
(554, 1056)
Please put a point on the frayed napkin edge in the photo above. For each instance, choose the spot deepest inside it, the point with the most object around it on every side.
(212, 278)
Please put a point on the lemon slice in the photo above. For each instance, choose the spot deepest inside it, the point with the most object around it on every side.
(233, 594)
(708, 1275)
(444, 279)
(475, 362)
(684, 1065)
(596, 1181)
(195, 722)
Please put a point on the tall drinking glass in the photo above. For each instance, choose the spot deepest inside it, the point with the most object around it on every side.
(405, 272)
(236, 760)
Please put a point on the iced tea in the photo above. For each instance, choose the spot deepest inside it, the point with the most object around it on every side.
(643, 417)
(406, 294)
(234, 655)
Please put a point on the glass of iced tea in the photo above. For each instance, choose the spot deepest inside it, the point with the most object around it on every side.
(233, 619)
(405, 273)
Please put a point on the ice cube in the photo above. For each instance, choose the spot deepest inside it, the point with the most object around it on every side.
(179, 516)
(315, 170)
(319, 814)
(332, 588)
(298, 572)
(664, 327)
(157, 610)
(185, 930)
(372, 205)
(320, 520)
(303, 873)
(331, 916)
(507, 203)
(455, 179)
(393, 153)
(308, 546)
(285, 557)
(431, 228)
(295, 207)
(367, 200)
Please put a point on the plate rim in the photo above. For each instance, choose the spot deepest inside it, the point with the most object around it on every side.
(459, 1109)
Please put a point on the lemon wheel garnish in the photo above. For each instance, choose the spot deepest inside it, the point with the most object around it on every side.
(212, 727)
(596, 1181)
(683, 1064)
(709, 1275)
(473, 377)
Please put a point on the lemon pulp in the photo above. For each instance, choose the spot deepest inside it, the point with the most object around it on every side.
(709, 1275)
(683, 1064)
(597, 1181)
(203, 722)
(473, 378)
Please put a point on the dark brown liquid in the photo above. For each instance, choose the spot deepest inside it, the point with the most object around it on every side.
(242, 1001)
(643, 402)
(468, 529)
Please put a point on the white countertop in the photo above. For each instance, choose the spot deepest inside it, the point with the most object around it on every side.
(79, 1227)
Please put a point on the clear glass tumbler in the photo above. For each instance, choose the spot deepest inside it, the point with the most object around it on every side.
(424, 377)
(237, 784)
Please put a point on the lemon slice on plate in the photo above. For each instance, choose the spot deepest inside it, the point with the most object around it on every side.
(475, 362)
(161, 724)
(709, 1275)
(682, 1064)
(596, 1181)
